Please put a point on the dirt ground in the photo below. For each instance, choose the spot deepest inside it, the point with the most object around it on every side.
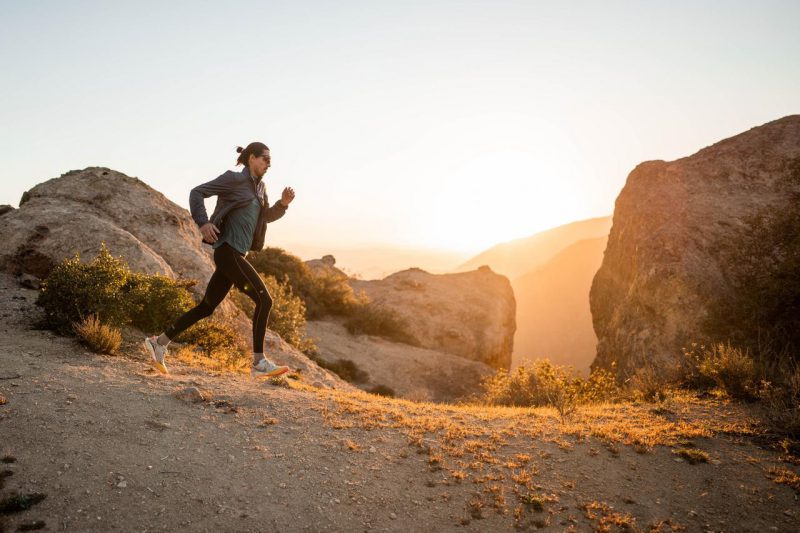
(111, 448)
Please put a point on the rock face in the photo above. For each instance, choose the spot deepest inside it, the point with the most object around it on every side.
(662, 265)
(412, 373)
(469, 314)
(77, 211)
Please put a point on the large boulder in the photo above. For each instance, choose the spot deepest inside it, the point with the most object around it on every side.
(664, 263)
(470, 314)
(79, 210)
(410, 372)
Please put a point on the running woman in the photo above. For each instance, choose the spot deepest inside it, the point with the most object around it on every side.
(238, 224)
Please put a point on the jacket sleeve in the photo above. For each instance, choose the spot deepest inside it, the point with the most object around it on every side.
(214, 187)
(276, 211)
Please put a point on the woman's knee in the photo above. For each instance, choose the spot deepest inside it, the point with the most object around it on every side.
(262, 298)
(204, 309)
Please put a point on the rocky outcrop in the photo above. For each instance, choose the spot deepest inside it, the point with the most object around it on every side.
(469, 314)
(412, 373)
(663, 264)
(77, 211)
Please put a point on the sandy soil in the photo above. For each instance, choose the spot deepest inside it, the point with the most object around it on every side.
(112, 448)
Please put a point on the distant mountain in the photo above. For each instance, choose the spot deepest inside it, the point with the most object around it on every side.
(553, 316)
(518, 257)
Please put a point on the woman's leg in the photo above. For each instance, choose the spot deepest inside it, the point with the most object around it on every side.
(247, 280)
(218, 287)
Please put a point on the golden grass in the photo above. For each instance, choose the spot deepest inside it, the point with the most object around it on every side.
(468, 441)
(784, 476)
(99, 337)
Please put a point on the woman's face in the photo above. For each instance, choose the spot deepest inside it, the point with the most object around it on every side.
(259, 164)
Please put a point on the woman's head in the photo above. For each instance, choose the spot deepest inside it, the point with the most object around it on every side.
(256, 156)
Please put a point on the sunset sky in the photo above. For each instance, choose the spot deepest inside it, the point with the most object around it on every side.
(447, 125)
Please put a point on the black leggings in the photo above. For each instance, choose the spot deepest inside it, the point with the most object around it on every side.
(232, 269)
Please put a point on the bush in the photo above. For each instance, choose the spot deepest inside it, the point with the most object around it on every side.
(373, 319)
(546, 384)
(782, 402)
(155, 302)
(287, 317)
(731, 369)
(650, 384)
(327, 293)
(75, 290)
(216, 340)
(99, 337)
(106, 287)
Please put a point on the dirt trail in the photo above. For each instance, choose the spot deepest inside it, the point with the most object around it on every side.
(112, 449)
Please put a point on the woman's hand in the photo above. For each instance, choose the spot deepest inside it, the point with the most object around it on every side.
(287, 196)
(209, 232)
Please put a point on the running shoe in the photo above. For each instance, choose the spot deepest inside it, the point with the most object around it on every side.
(267, 369)
(157, 354)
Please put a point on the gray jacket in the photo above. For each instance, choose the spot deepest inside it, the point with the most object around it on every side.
(233, 190)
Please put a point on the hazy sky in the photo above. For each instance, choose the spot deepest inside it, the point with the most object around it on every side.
(452, 125)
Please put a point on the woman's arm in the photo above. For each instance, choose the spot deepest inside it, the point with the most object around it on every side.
(214, 187)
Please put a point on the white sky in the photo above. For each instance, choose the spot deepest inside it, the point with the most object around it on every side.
(448, 125)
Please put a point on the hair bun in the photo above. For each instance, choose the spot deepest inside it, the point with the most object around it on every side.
(239, 149)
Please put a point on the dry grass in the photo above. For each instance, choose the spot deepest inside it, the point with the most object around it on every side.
(691, 455)
(784, 476)
(191, 356)
(99, 337)
(475, 442)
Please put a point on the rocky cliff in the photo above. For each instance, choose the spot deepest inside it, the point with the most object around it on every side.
(663, 264)
(470, 314)
(77, 211)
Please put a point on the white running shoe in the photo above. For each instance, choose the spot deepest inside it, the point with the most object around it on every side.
(266, 369)
(157, 354)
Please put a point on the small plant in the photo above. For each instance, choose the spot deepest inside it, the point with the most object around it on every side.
(691, 455)
(99, 337)
(650, 384)
(534, 500)
(731, 369)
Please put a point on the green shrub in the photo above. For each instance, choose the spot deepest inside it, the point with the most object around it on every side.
(99, 337)
(287, 317)
(216, 340)
(326, 293)
(155, 301)
(373, 319)
(75, 290)
(106, 287)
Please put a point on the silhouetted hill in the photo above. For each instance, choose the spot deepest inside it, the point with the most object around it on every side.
(518, 257)
(553, 316)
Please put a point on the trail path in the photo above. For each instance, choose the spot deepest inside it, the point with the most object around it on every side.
(112, 448)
